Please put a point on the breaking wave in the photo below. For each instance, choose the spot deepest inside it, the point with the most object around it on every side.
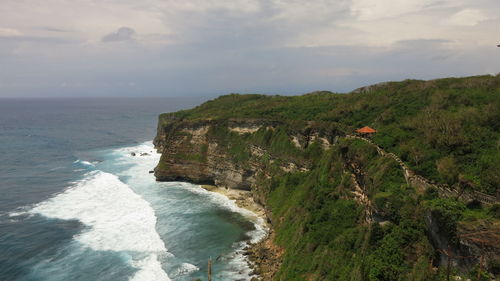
(118, 220)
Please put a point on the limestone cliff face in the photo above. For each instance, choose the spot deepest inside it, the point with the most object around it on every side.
(181, 145)
(191, 153)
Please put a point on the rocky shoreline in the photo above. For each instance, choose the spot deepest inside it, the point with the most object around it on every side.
(264, 257)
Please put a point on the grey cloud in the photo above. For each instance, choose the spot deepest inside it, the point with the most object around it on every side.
(122, 34)
(36, 39)
(53, 29)
(218, 52)
(435, 4)
(211, 70)
(426, 43)
(440, 57)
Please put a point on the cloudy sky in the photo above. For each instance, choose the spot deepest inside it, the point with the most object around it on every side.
(209, 47)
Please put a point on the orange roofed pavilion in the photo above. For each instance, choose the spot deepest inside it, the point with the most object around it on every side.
(366, 130)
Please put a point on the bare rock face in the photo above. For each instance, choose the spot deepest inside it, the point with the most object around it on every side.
(190, 153)
(182, 156)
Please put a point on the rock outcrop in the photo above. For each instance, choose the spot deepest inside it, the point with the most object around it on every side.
(190, 153)
(194, 151)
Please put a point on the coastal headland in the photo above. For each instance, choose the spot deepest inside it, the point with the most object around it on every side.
(345, 205)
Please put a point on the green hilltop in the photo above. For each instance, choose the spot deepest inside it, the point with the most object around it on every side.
(445, 130)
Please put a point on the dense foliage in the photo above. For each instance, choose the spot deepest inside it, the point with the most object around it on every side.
(321, 225)
(447, 130)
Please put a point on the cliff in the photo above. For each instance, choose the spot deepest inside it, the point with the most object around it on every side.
(230, 153)
(192, 152)
(345, 207)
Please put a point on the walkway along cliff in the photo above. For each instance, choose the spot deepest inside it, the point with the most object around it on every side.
(422, 183)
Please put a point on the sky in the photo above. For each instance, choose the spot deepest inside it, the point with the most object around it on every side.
(92, 48)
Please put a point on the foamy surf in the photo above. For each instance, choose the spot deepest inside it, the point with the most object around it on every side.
(84, 163)
(222, 201)
(119, 203)
(119, 220)
(184, 269)
(235, 259)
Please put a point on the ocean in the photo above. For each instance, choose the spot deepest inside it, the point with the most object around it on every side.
(75, 204)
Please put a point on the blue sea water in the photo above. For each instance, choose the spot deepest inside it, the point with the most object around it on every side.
(76, 205)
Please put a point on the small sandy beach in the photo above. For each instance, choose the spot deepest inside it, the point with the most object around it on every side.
(242, 198)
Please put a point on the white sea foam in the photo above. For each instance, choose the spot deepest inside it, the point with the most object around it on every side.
(149, 270)
(84, 163)
(122, 221)
(222, 201)
(236, 259)
(184, 269)
(118, 219)
(16, 213)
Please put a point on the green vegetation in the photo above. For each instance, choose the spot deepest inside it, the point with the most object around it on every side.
(277, 142)
(447, 213)
(322, 229)
(446, 130)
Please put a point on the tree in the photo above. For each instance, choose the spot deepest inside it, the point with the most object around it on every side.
(448, 169)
